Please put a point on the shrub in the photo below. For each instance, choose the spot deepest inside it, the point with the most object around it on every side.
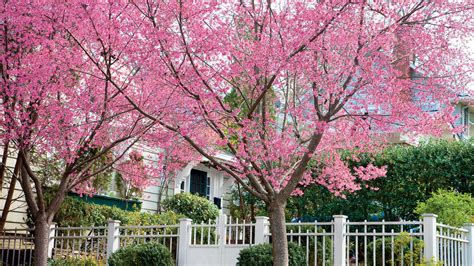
(72, 261)
(262, 255)
(402, 243)
(192, 206)
(323, 248)
(452, 207)
(150, 254)
(145, 218)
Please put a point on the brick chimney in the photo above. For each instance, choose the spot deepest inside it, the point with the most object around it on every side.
(402, 56)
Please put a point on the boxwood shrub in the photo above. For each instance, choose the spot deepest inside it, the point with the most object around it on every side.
(192, 206)
(149, 254)
(261, 255)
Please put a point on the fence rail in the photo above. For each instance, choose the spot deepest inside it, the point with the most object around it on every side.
(239, 233)
(204, 234)
(339, 242)
(316, 240)
(453, 247)
(17, 246)
(166, 235)
(384, 243)
(79, 242)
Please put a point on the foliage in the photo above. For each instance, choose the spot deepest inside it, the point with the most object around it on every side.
(430, 263)
(134, 175)
(453, 208)
(401, 243)
(261, 254)
(75, 261)
(244, 205)
(74, 212)
(324, 250)
(416, 172)
(413, 173)
(192, 206)
(150, 253)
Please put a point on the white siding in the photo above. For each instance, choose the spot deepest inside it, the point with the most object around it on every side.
(17, 216)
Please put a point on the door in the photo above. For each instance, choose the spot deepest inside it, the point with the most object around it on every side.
(199, 183)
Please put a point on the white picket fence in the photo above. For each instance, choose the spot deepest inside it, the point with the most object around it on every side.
(339, 242)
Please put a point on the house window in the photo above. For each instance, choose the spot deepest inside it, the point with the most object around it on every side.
(199, 183)
(182, 186)
(465, 121)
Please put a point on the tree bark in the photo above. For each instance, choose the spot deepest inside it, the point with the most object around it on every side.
(42, 227)
(276, 212)
(243, 213)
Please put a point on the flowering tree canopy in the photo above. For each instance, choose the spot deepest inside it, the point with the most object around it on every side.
(308, 79)
(52, 107)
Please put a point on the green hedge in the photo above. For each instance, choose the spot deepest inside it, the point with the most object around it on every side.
(74, 212)
(261, 255)
(149, 254)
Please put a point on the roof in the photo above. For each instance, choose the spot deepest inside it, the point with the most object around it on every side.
(467, 100)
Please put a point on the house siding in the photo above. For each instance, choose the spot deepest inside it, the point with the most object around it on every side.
(17, 216)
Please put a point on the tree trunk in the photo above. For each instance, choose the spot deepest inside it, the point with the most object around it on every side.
(243, 213)
(278, 229)
(42, 227)
(252, 211)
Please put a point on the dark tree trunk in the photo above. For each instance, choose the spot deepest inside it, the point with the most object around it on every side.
(42, 227)
(252, 211)
(278, 229)
(243, 213)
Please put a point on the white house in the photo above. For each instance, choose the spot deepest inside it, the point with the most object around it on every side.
(197, 178)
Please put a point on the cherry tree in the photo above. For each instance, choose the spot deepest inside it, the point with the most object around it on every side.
(52, 107)
(310, 79)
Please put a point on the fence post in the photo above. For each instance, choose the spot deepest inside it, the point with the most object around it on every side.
(429, 237)
(184, 240)
(470, 245)
(51, 241)
(261, 230)
(340, 240)
(221, 229)
(113, 240)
